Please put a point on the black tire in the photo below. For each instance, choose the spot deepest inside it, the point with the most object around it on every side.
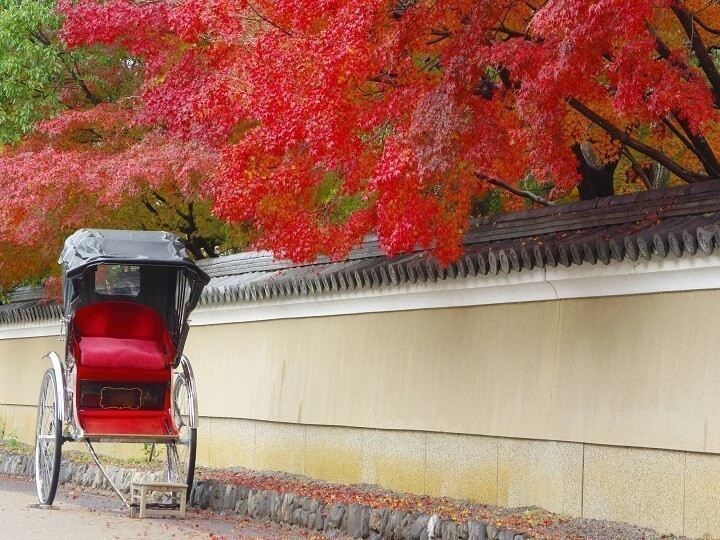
(190, 463)
(48, 440)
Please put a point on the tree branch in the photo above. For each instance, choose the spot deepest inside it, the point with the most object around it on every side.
(160, 198)
(638, 169)
(703, 150)
(698, 47)
(267, 20)
(515, 191)
(75, 75)
(695, 141)
(440, 35)
(633, 143)
(660, 45)
(509, 31)
(706, 27)
(680, 136)
(149, 206)
(39, 36)
(189, 217)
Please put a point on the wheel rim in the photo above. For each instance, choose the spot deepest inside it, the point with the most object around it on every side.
(181, 456)
(46, 446)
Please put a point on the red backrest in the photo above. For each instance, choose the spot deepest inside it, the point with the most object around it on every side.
(120, 320)
(120, 335)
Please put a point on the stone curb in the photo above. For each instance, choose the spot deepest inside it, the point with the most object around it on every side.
(79, 474)
(355, 520)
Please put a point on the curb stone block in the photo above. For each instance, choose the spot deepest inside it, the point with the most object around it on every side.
(315, 519)
(195, 492)
(414, 526)
(241, 502)
(264, 507)
(336, 513)
(449, 530)
(300, 517)
(192, 500)
(65, 473)
(252, 503)
(433, 528)
(477, 530)
(286, 508)
(216, 501)
(358, 521)
(296, 516)
(28, 468)
(241, 506)
(394, 525)
(378, 518)
(229, 497)
(320, 518)
(208, 493)
(274, 505)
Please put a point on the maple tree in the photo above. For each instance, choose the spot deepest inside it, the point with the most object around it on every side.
(77, 155)
(334, 118)
(318, 121)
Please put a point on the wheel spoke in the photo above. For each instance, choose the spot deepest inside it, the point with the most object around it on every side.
(181, 454)
(48, 441)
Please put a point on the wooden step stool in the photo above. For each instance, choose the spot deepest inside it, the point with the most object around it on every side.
(139, 494)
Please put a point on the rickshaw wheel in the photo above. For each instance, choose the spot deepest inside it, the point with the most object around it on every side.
(48, 440)
(181, 456)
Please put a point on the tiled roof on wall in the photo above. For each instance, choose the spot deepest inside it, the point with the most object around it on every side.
(681, 221)
(26, 306)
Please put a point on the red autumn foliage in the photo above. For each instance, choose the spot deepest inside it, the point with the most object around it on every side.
(332, 119)
(81, 169)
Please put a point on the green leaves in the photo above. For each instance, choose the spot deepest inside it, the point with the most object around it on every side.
(30, 69)
(336, 205)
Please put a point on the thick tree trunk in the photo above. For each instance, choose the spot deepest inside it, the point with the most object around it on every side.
(597, 180)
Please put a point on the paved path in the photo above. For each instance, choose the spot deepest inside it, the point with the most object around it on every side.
(79, 514)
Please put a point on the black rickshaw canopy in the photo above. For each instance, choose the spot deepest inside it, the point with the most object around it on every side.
(153, 268)
(87, 247)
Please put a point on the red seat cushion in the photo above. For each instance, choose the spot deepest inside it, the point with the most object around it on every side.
(122, 353)
(122, 335)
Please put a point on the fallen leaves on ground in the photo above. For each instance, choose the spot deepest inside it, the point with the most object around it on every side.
(530, 521)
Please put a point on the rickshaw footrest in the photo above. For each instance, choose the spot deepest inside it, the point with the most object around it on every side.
(139, 504)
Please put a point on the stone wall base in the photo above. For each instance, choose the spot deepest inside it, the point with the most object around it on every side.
(667, 490)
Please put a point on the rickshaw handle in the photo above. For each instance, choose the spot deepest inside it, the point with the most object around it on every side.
(60, 386)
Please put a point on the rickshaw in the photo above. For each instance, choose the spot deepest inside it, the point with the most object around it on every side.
(126, 298)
